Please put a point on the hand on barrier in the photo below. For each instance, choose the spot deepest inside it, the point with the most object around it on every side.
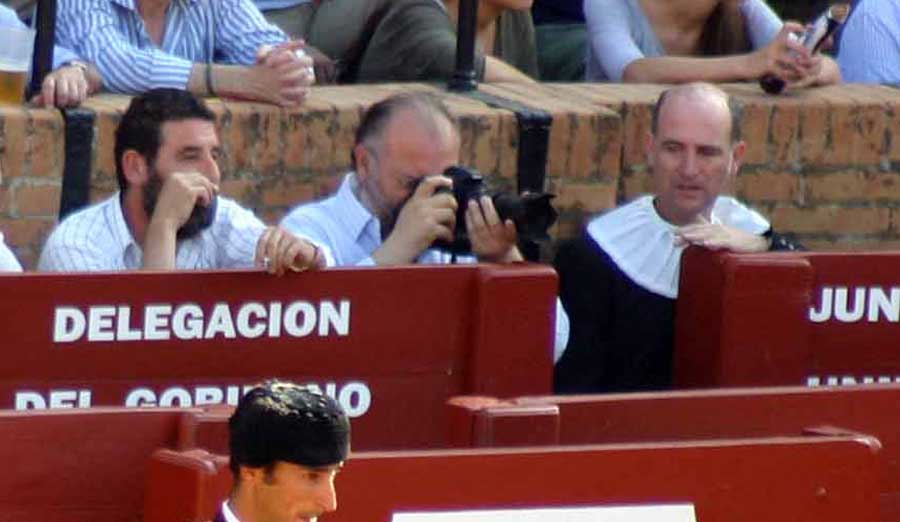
(720, 237)
(278, 251)
(284, 73)
(67, 86)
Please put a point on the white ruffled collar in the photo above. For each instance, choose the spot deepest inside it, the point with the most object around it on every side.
(642, 244)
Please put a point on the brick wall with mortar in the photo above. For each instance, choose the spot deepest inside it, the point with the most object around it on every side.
(823, 163)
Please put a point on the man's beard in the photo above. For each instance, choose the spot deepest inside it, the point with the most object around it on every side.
(369, 193)
(200, 219)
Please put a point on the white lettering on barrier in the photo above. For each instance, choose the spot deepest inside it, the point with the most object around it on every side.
(852, 305)
(156, 322)
(187, 321)
(56, 399)
(69, 324)
(100, 323)
(354, 396)
(124, 332)
(815, 381)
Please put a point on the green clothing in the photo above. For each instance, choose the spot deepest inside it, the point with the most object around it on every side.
(408, 40)
(514, 42)
(561, 49)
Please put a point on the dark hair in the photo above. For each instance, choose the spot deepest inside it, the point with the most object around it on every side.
(281, 421)
(141, 125)
(734, 110)
(376, 119)
(725, 31)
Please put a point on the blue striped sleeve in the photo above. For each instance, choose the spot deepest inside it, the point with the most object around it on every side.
(870, 44)
(241, 30)
(91, 29)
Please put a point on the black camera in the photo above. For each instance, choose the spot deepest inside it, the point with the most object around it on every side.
(531, 212)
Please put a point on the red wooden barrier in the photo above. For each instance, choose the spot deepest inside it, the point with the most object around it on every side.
(80, 465)
(388, 343)
(690, 415)
(787, 319)
(798, 479)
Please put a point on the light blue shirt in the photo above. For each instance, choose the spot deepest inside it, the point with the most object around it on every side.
(111, 35)
(870, 43)
(61, 55)
(353, 234)
(8, 261)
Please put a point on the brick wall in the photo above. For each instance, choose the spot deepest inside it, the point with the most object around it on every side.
(823, 163)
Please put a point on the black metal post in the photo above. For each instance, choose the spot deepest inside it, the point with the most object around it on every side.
(464, 77)
(76, 185)
(45, 24)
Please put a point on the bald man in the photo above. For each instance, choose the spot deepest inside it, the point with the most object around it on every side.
(619, 282)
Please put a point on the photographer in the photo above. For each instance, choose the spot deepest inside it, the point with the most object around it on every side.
(390, 210)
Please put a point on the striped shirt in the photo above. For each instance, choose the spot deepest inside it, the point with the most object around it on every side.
(98, 239)
(870, 43)
(268, 5)
(111, 34)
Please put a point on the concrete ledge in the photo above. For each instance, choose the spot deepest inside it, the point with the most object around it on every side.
(823, 163)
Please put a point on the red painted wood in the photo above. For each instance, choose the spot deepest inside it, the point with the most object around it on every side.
(794, 479)
(744, 319)
(417, 336)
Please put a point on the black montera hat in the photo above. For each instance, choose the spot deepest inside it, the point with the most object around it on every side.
(283, 421)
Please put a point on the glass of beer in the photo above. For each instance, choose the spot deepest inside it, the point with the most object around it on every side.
(15, 61)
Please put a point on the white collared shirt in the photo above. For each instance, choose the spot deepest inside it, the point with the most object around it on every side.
(8, 261)
(97, 238)
(349, 229)
(642, 244)
(228, 513)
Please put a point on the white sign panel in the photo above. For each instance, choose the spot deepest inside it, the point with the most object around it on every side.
(654, 513)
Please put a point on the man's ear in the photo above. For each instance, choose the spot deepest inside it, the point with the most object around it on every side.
(737, 157)
(648, 149)
(135, 168)
(363, 159)
(250, 475)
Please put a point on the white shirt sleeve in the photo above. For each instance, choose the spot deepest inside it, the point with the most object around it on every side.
(8, 261)
(610, 38)
(761, 21)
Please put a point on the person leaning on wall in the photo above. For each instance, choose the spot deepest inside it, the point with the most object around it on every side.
(679, 41)
(371, 41)
(208, 47)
